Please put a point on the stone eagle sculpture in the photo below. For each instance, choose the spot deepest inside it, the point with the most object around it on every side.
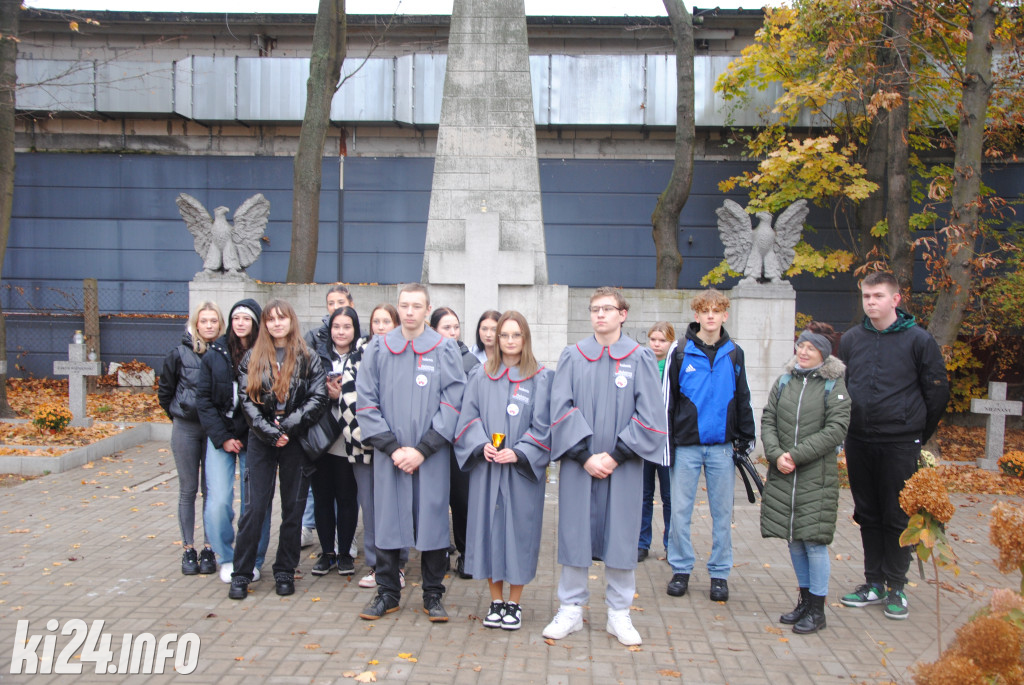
(226, 248)
(760, 252)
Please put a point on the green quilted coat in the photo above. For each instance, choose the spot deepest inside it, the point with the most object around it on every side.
(802, 505)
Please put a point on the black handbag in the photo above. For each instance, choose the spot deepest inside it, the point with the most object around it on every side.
(320, 436)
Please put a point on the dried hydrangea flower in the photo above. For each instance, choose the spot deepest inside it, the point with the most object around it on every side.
(1004, 600)
(925, 490)
(991, 643)
(951, 669)
(1006, 532)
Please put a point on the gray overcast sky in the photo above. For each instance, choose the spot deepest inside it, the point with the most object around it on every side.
(643, 8)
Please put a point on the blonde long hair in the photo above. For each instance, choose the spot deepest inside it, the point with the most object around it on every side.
(527, 362)
(198, 344)
(263, 361)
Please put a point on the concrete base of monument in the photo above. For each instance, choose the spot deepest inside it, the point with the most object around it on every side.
(762, 317)
(30, 465)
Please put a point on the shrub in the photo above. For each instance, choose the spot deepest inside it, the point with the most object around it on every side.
(51, 416)
(1012, 463)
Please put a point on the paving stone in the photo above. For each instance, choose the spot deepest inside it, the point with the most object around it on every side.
(106, 551)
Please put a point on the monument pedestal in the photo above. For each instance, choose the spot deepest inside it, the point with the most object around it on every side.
(224, 290)
(762, 320)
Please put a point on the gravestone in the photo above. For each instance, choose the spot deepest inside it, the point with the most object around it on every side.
(997, 407)
(77, 369)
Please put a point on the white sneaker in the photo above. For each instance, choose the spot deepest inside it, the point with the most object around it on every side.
(401, 578)
(225, 571)
(369, 580)
(255, 574)
(353, 551)
(567, 621)
(620, 625)
(308, 537)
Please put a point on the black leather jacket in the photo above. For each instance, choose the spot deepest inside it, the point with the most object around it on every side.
(307, 399)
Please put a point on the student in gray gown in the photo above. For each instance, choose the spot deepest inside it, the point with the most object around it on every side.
(409, 391)
(503, 441)
(607, 418)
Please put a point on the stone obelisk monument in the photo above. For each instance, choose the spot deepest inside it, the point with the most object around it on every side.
(485, 232)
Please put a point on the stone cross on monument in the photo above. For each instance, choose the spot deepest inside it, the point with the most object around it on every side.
(998, 408)
(76, 369)
(482, 266)
(486, 157)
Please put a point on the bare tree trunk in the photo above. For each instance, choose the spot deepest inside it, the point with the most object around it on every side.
(324, 76)
(901, 254)
(9, 10)
(665, 218)
(965, 212)
(872, 209)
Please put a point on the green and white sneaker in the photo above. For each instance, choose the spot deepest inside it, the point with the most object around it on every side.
(896, 605)
(865, 594)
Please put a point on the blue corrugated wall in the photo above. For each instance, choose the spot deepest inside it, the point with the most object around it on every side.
(113, 217)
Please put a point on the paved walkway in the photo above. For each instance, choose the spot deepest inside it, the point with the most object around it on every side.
(100, 543)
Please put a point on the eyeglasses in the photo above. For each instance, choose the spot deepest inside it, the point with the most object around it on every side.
(607, 309)
(510, 336)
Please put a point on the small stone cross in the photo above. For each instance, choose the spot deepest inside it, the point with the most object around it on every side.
(76, 369)
(998, 408)
(481, 267)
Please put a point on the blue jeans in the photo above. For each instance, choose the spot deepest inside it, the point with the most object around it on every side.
(309, 513)
(219, 511)
(652, 471)
(812, 565)
(719, 475)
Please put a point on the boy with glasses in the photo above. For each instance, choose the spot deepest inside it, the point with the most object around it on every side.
(607, 418)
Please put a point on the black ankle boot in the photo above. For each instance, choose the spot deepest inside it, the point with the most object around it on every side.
(801, 608)
(813, 619)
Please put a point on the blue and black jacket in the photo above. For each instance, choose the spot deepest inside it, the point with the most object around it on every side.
(709, 400)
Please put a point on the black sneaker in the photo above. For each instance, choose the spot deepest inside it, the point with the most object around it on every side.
(189, 562)
(495, 614)
(239, 588)
(284, 584)
(378, 606)
(460, 567)
(324, 563)
(346, 566)
(433, 608)
(641, 554)
(896, 606)
(677, 586)
(863, 595)
(719, 590)
(513, 618)
(207, 562)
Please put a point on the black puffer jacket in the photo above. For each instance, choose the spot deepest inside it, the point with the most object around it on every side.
(219, 408)
(307, 399)
(897, 381)
(318, 337)
(179, 380)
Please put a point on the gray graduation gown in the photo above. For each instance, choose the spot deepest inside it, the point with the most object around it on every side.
(601, 395)
(407, 388)
(506, 501)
